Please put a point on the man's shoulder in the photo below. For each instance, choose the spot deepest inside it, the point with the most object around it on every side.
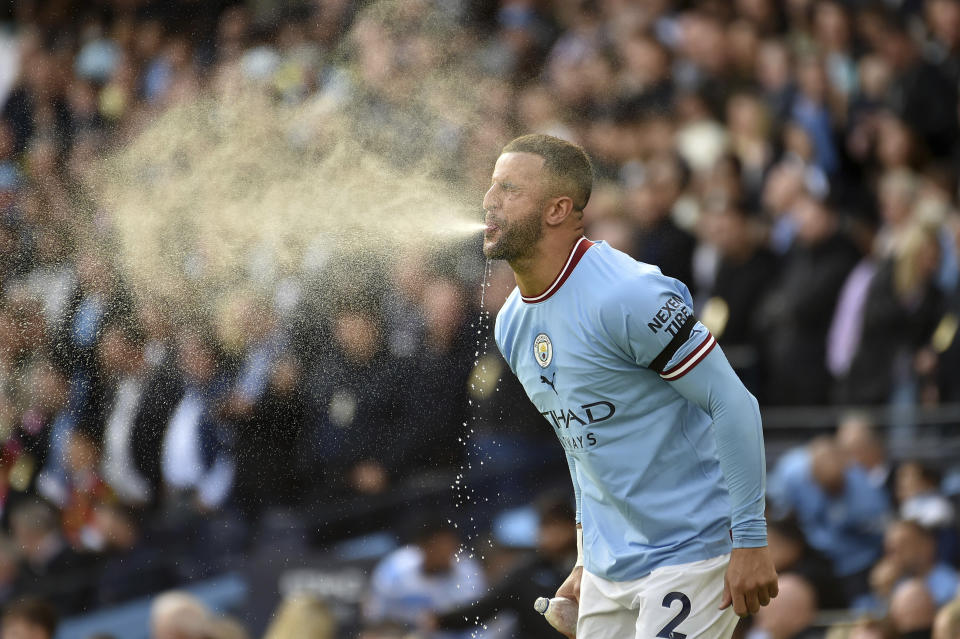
(620, 284)
(610, 274)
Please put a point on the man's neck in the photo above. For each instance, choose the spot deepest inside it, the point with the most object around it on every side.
(537, 271)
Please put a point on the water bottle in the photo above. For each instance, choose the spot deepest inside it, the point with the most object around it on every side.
(560, 612)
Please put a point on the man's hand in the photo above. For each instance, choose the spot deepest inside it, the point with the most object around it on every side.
(750, 582)
(570, 588)
(884, 577)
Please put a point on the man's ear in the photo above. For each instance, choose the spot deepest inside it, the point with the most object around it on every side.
(558, 210)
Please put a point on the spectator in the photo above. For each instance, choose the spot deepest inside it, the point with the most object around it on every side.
(900, 314)
(750, 125)
(859, 442)
(442, 367)
(98, 300)
(792, 554)
(425, 577)
(941, 17)
(249, 328)
(833, 33)
(122, 356)
(797, 314)
(810, 112)
(163, 387)
(840, 512)
(49, 567)
(918, 492)
(650, 203)
(913, 83)
(197, 462)
(131, 566)
(644, 79)
(911, 553)
(29, 619)
(897, 193)
(745, 274)
(774, 74)
(269, 441)
(355, 394)
(47, 411)
(84, 489)
(917, 489)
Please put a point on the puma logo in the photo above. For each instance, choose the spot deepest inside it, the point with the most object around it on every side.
(550, 382)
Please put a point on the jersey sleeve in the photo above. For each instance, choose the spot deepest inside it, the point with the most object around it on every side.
(715, 387)
(650, 318)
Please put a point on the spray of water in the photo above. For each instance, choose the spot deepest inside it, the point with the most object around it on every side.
(464, 495)
(233, 190)
(222, 192)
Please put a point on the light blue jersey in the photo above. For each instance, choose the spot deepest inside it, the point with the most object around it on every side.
(664, 442)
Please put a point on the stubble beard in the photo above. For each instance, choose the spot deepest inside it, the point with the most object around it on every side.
(518, 239)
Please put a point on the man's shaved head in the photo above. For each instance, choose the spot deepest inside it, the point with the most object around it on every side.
(566, 163)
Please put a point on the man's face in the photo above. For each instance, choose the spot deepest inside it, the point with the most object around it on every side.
(555, 538)
(827, 468)
(909, 549)
(514, 204)
(439, 552)
(897, 546)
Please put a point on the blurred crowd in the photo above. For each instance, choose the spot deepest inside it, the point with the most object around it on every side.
(794, 163)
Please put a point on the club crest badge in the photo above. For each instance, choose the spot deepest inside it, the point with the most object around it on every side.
(543, 350)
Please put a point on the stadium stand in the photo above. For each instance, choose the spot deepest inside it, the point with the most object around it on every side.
(794, 163)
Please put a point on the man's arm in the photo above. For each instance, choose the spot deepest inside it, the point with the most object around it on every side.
(650, 317)
(713, 385)
(570, 588)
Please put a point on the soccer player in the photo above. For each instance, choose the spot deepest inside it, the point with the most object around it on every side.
(663, 441)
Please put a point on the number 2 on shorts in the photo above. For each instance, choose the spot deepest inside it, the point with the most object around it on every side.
(668, 631)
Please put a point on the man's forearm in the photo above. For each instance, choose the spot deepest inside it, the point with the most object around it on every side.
(715, 387)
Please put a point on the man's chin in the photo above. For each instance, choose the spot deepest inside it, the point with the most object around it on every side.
(492, 250)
